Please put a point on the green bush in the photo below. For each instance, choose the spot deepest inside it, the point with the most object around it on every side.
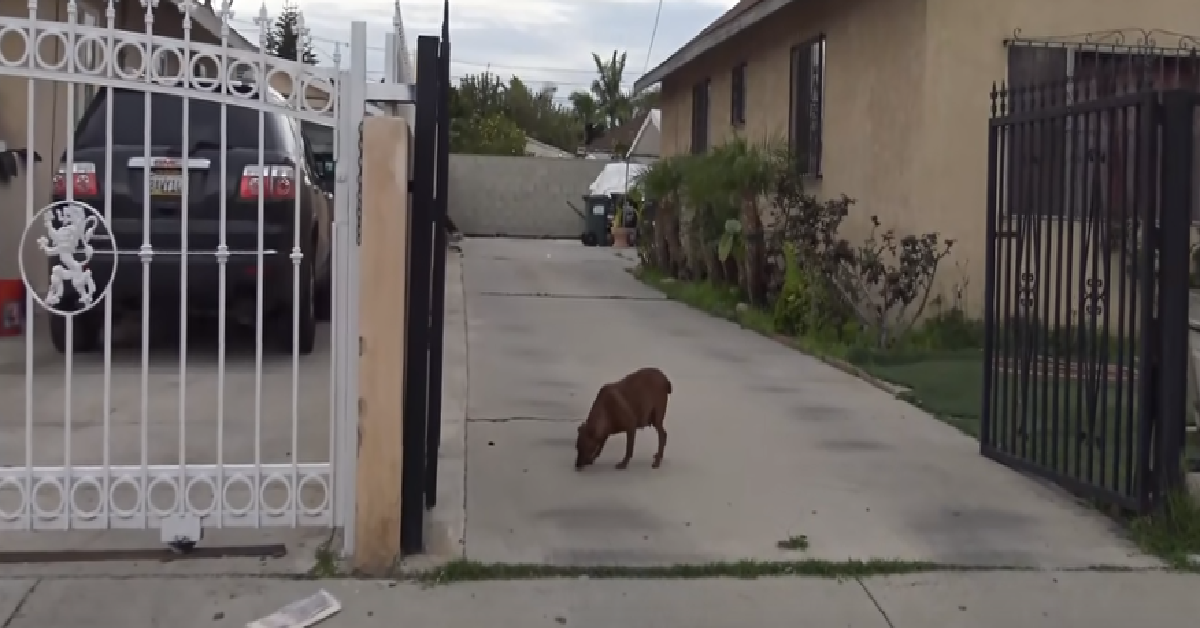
(808, 306)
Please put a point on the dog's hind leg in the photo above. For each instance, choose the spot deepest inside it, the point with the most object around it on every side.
(662, 443)
(629, 434)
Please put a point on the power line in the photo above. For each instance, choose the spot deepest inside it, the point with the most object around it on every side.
(479, 64)
(527, 67)
(653, 32)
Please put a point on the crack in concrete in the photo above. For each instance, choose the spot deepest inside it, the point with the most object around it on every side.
(578, 297)
(514, 419)
(878, 607)
(20, 604)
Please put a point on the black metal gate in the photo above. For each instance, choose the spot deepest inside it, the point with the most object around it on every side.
(1086, 298)
(427, 285)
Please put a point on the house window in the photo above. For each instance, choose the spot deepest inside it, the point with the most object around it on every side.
(700, 116)
(1067, 162)
(737, 96)
(808, 104)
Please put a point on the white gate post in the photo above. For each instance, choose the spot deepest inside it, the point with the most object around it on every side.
(352, 90)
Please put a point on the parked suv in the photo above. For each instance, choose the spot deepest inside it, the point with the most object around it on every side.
(289, 172)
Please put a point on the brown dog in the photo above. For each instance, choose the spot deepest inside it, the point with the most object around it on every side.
(636, 401)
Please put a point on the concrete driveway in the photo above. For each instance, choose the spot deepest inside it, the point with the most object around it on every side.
(765, 442)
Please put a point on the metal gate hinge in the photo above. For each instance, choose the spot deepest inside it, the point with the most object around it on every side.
(360, 346)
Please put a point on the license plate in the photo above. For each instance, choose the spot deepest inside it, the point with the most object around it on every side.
(166, 183)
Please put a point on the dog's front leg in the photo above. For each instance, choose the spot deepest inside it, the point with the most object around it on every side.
(629, 434)
(600, 447)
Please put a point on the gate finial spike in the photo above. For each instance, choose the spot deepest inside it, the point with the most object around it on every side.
(72, 11)
(262, 21)
(186, 7)
(110, 13)
(301, 36)
(446, 20)
(225, 13)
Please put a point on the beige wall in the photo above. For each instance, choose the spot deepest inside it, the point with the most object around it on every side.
(963, 56)
(519, 196)
(906, 103)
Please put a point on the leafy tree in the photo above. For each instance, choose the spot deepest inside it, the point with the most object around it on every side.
(477, 94)
(483, 98)
(492, 134)
(285, 37)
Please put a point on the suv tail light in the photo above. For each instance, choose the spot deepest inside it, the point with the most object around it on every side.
(83, 180)
(279, 182)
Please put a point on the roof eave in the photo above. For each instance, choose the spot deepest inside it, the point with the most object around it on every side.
(700, 45)
(211, 22)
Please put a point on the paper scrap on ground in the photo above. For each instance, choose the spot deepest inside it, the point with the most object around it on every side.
(301, 613)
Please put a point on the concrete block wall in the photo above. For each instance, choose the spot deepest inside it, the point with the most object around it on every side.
(519, 196)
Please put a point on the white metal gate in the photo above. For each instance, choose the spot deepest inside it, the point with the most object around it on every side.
(178, 252)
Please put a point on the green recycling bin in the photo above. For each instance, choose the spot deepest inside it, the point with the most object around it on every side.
(597, 209)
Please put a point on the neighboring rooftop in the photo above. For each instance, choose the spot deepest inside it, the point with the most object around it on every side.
(621, 137)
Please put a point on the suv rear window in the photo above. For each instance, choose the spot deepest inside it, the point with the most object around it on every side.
(166, 122)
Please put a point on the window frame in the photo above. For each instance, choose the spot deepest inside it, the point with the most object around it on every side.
(737, 95)
(1098, 161)
(701, 110)
(806, 125)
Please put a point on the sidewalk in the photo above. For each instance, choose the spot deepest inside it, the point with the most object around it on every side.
(976, 600)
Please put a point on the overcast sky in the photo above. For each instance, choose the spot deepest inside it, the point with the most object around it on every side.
(542, 41)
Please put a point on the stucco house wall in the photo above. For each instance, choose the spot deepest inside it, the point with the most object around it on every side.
(906, 101)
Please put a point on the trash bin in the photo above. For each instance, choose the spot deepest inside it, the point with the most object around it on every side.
(595, 224)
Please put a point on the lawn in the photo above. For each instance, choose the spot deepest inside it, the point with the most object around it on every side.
(949, 387)
(1094, 438)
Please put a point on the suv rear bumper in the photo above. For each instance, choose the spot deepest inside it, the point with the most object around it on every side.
(242, 272)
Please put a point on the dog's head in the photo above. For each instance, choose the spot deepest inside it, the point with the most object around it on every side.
(594, 430)
(587, 446)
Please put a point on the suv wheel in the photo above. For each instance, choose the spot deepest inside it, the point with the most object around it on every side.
(86, 335)
(308, 314)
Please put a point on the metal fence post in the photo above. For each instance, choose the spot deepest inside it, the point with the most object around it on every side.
(1178, 108)
(438, 305)
(989, 282)
(416, 385)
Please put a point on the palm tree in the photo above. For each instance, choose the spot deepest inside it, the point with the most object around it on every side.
(611, 101)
